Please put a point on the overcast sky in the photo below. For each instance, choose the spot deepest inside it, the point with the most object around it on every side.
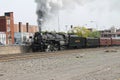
(100, 14)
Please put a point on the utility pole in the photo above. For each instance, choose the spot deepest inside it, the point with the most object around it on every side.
(58, 23)
(66, 28)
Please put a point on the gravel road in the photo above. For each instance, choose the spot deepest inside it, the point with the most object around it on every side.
(84, 64)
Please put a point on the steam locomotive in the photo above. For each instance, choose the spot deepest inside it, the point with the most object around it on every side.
(49, 42)
(58, 41)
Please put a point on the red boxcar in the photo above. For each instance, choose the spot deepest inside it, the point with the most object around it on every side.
(115, 41)
(105, 42)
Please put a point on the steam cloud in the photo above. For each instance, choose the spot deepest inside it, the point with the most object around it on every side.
(47, 8)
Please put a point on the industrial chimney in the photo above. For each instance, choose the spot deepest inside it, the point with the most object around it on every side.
(27, 27)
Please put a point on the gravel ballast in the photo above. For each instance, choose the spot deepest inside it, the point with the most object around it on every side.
(84, 64)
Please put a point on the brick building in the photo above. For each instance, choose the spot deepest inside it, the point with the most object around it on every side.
(111, 33)
(6, 25)
(12, 30)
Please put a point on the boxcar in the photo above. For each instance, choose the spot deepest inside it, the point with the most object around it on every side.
(92, 42)
(115, 41)
(76, 41)
(105, 41)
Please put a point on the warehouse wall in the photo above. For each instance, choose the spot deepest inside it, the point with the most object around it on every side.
(14, 50)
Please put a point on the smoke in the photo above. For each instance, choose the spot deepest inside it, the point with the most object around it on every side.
(115, 5)
(48, 8)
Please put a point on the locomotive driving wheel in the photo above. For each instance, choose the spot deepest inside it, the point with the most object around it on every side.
(52, 47)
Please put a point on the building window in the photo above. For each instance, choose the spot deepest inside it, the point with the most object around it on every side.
(105, 35)
(118, 35)
(8, 29)
(8, 21)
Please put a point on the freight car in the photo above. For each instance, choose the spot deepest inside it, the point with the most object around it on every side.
(109, 42)
(92, 42)
(115, 41)
(105, 42)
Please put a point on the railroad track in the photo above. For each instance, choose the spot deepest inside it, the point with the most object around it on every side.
(6, 58)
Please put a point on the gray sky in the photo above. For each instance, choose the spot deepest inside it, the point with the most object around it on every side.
(24, 10)
(100, 14)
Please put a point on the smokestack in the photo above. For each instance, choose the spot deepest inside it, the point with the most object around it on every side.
(71, 26)
(27, 27)
(20, 24)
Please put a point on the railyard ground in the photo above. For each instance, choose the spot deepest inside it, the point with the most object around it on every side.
(82, 64)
